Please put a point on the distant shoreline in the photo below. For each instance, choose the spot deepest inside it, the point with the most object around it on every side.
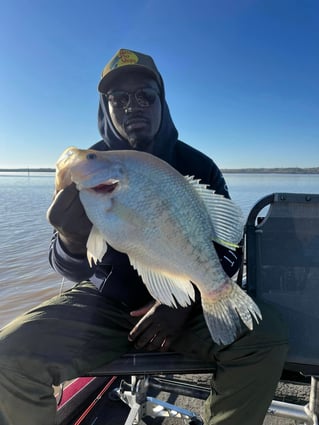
(27, 170)
(289, 170)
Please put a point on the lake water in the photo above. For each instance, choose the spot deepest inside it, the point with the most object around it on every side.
(26, 277)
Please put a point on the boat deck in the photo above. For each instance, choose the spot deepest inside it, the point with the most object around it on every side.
(110, 411)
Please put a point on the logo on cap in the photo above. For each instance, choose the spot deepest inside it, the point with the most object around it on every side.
(124, 57)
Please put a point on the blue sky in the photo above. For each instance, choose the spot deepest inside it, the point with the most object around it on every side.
(241, 76)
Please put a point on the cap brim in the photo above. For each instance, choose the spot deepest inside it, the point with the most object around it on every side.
(109, 79)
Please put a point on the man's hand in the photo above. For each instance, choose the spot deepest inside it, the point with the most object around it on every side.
(159, 326)
(67, 216)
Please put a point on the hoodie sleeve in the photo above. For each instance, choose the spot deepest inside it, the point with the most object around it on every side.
(72, 268)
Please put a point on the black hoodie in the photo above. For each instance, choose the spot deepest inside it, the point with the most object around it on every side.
(114, 275)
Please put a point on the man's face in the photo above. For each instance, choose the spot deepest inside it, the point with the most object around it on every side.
(135, 108)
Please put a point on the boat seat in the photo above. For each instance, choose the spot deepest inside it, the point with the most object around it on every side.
(282, 264)
(282, 260)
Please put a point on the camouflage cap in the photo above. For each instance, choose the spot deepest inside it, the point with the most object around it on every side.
(128, 60)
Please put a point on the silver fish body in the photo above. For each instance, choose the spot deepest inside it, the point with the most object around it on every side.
(165, 223)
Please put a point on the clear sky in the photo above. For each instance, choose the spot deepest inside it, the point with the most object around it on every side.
(241, 76)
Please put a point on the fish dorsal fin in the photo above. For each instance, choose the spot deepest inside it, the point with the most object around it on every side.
(96, 246)
(226, 216)
(163, 288)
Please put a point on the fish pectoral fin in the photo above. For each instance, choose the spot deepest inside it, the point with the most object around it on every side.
(226, 217)
(163, 288)
(96, 246)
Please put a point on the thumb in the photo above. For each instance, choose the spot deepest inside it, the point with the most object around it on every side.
(143, 310)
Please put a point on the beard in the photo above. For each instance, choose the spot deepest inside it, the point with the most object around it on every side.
(140, 143)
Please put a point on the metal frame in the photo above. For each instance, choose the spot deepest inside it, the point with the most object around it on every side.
(136, 396)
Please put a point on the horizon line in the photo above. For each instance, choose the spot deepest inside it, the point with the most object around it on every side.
(295, 170)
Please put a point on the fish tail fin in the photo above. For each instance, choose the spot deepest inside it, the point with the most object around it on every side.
(223, 314)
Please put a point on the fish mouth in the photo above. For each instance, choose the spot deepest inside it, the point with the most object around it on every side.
(106, 187)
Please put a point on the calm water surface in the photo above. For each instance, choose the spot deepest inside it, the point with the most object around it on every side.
(26, 277)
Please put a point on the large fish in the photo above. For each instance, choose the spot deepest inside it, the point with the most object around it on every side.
(165, 223)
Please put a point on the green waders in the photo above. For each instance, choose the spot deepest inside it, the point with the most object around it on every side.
(80, 330)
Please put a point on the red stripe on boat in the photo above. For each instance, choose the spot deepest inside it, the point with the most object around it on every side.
(73, 388)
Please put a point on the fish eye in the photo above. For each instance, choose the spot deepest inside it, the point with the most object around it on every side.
(91, 156)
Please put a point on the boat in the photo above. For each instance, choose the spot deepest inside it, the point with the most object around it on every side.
(86, 400)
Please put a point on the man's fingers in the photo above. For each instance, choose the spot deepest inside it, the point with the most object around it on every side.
(143, 310)
(63, 200)
(66, 197)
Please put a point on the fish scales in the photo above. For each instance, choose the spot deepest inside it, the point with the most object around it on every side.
(165, 223)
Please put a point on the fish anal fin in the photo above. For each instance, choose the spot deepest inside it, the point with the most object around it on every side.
(168, 290)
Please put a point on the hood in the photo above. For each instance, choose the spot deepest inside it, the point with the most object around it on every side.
(167, 135)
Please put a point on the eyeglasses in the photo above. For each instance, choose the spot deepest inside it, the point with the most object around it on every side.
(144, 97)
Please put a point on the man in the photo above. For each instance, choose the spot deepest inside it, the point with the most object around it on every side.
(111, 311)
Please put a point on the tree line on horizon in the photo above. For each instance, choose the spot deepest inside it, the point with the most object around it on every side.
(282, 170)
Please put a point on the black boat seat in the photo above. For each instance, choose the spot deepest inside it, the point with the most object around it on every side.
(282, 260)
(282, 256)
